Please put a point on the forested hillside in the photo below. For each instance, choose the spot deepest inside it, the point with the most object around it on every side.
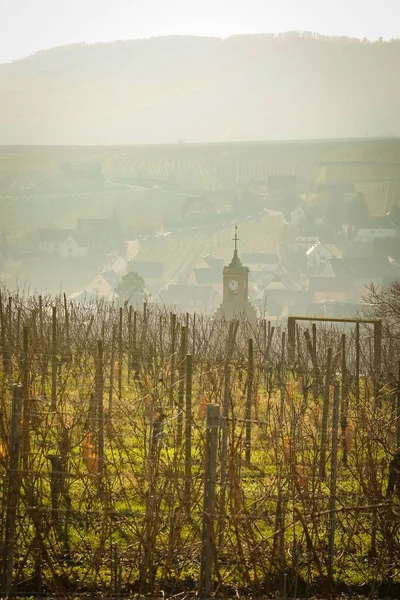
(202, 89)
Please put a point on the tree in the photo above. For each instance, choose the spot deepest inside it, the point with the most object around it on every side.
(357, 210)
(130, 290)
(333, 218)
(394, 215)
(383, 303)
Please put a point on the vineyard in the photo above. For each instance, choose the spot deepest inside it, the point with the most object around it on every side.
(35, 194)
(180, 252)
(33, 203)
(148, 453)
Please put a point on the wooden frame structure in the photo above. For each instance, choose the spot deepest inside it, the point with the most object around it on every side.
(377, 336)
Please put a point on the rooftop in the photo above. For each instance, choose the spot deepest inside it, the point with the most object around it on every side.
(147, 269)
(361, 267)
(54, 236)
(260, 258)
(188, 296)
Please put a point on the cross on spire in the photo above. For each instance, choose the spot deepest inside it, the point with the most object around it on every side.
(236, 239)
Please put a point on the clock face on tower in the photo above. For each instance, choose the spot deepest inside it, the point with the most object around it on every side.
(233, 285)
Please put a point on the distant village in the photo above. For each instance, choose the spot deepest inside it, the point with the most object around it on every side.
(330, 245)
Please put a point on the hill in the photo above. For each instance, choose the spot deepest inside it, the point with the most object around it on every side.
(159, 90)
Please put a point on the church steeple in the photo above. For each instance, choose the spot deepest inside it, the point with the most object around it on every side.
(235, 262)
(235, 301)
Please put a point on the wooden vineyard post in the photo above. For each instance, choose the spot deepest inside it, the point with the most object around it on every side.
(282, 382)
(194, 335)
(43, 358)
(291, 340)
(188, 431)
(181, 391)
(112, 367)
(121, 315)
(325, 414)
(268, 346)
(129, 353)
(398, 410)
(3, 338)
(18, 331)
(264, 341)
(187, 323)
(135, 353)
(13, 487)
(160, 352)
(54, 359)
(332, 496)
(144, 331)
(7, 340)
(100, 407)
(210, 476)
(280, 514)
(172, 351)
(344, 406)
(316, 374)
(224, 454)
(9, 332)
(314, 341)
(357, 362)
(377, 347)
(377, 361)
(250, 378)
(67, 338)
(25, 401)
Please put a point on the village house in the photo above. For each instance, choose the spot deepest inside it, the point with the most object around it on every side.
(319, 254)
(301, 243)
(208, 272)
(332, 289)
(65, 243)
(190, 298)
(376, 227)
(282, 297)
(197, 208)
(151, 271)
(360, 271)
(298, 215)
(260, 261)
(334, 309)
(103, 286)
(357, 248)
(344, 169)
(102, 234)
(110, 227)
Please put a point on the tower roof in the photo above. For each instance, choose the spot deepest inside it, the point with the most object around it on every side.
(236, 263)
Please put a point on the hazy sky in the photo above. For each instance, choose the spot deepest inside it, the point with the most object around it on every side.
(30, 25)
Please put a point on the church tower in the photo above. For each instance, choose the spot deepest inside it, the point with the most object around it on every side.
(235, 302)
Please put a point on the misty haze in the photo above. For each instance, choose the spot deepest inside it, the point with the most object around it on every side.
(199, 301)
(253, 87)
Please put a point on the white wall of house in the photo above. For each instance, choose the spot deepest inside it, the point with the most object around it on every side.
(48, 248)
(268, 268)
(67, 248)
(298, 216)
(197, 210)
(100, 287)
(367, 235)
(70, 248)
(301, 244)
(318, 255)
(328, 271)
